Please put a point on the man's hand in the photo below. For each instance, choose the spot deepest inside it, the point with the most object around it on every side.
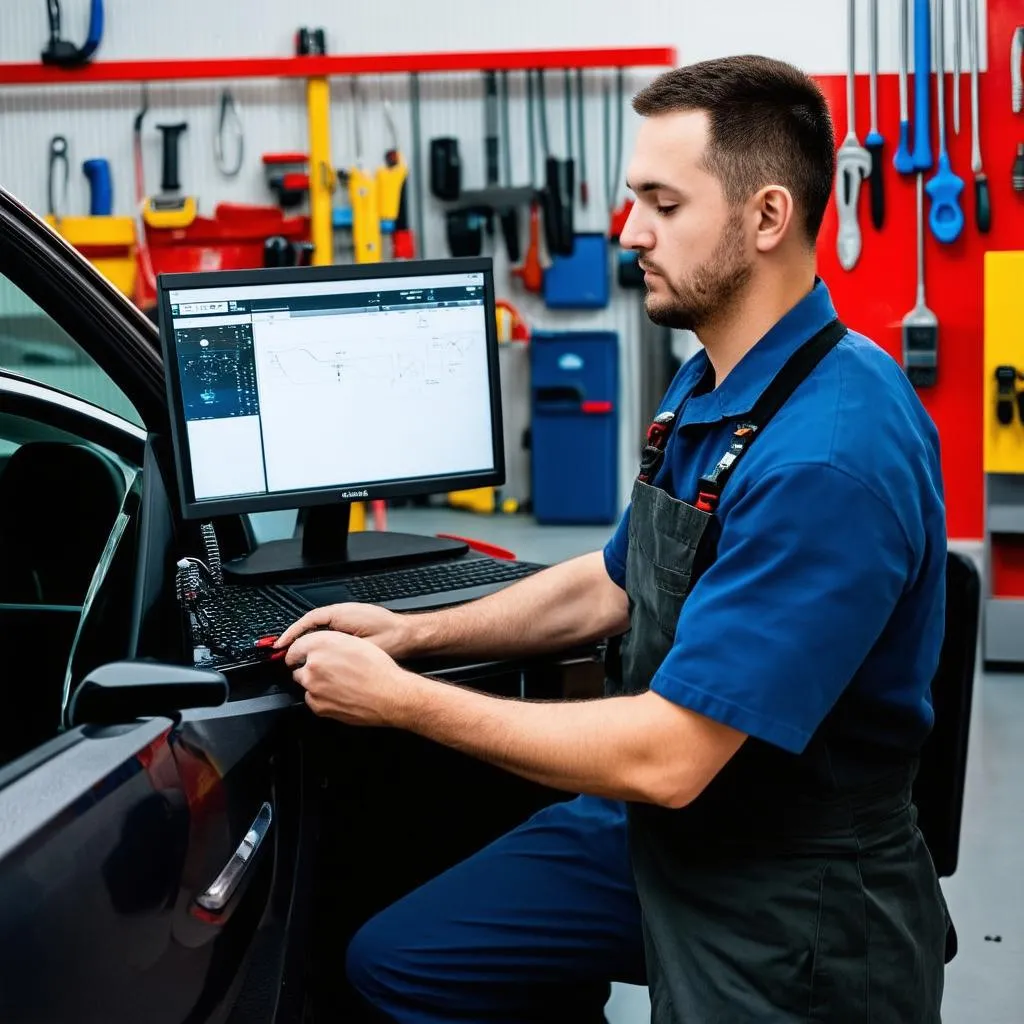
(349, 678)
(387, 630)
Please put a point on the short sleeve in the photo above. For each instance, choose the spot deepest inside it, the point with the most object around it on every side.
(615, 551)
(810, 566)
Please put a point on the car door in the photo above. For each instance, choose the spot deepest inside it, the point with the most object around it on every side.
(151, 827)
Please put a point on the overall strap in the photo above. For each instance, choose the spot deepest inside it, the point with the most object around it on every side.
(796, 370)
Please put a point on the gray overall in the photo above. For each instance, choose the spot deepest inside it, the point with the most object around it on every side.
(795, 887)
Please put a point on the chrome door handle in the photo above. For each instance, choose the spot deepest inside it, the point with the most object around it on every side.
(215, 898)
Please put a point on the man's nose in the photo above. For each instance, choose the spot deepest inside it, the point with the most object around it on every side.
(635, 232)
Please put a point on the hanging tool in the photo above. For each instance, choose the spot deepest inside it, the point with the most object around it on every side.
(392, 197)
(557, 196)
(145, 280)
(627, 261)
(1016, 85)
(229, 123)
(920, 326)
(492, 167)
(101, 189)
(1017, 173)
(853, 164)
(957, 65)
(1007, 395)
(982, 204)
(580, 123)
(170, 209)
(57, 178)
(945, 218)
(509, 215)
(491, 141)
(922, 85)
(531, 273)
(362, 196)
(874, 143)
(392, 205)
(65, 54)
(903, 161)
(417, 157)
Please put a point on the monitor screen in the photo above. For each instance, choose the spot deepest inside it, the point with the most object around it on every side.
(299, 386)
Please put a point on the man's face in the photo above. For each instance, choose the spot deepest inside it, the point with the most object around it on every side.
(692, 245)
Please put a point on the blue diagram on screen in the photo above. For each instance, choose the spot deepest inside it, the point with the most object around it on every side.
(218, 371)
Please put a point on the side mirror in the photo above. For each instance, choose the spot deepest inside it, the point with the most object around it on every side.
(125, 690)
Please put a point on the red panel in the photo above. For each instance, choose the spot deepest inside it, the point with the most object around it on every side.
(880, 290)
(316, 67)
(594, 407)
(1007, 560)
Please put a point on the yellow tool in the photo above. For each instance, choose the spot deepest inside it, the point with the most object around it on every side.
(170, 209)
(321, 173)
(363, 198)
(391, 177)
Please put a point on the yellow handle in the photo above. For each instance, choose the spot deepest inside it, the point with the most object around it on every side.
(362, 193)
(389, 189)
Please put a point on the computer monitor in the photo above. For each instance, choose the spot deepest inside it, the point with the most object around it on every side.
(313, 387)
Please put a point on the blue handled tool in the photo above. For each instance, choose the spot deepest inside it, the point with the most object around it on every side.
(922, 84)
(101, 190)
(946, 218)
(65, 54)
(903, 161)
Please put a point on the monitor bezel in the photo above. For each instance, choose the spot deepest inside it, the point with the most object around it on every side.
(193, 508)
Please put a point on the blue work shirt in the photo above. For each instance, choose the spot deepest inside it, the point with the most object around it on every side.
(830, 570)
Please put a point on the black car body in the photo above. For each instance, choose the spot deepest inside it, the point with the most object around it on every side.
(169, 852)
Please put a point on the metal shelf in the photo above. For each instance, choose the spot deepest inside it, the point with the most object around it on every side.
(328, 66)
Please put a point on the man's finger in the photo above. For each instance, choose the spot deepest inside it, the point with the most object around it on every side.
(298, 652)
(311, 620)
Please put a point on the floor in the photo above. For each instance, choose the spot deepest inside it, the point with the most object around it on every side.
(986, 895)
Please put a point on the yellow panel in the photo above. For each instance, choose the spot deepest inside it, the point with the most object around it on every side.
(1004, 345)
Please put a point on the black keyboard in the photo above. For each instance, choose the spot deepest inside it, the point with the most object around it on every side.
(436, 578)
(232, 618)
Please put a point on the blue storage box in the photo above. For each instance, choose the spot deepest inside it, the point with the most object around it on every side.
(579, 281)
(574, 393)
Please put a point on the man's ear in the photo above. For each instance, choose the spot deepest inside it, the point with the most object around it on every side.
(775, 213)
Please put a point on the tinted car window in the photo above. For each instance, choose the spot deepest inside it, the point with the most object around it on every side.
(34, 346)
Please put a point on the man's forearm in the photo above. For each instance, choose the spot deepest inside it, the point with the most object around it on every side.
(571, 603)
(637, 748)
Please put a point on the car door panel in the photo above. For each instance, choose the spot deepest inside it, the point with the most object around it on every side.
(91, 846)
(110, 836)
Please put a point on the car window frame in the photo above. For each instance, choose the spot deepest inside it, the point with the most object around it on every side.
(113, 332)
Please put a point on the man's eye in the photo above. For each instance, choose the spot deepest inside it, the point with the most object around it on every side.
(664, 211)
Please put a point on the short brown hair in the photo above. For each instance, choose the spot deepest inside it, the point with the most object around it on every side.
(769, 123)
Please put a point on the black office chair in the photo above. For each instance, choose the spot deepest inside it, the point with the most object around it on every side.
(58, 504)
(939, 788)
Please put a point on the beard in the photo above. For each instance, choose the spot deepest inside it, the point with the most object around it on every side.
(709, 290)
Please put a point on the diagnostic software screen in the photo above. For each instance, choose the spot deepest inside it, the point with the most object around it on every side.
(300, 386)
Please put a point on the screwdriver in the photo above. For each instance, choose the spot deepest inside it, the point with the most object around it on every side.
(874, 143)
(920, 326)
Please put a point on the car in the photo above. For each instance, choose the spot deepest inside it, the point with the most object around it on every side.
(176, 843)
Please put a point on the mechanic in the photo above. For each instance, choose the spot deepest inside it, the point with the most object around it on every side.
(780, 603)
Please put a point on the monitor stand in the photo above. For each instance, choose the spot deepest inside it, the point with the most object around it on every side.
(325, 547)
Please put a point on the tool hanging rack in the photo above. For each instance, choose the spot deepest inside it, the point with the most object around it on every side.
(332, 65)
(316, 69)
